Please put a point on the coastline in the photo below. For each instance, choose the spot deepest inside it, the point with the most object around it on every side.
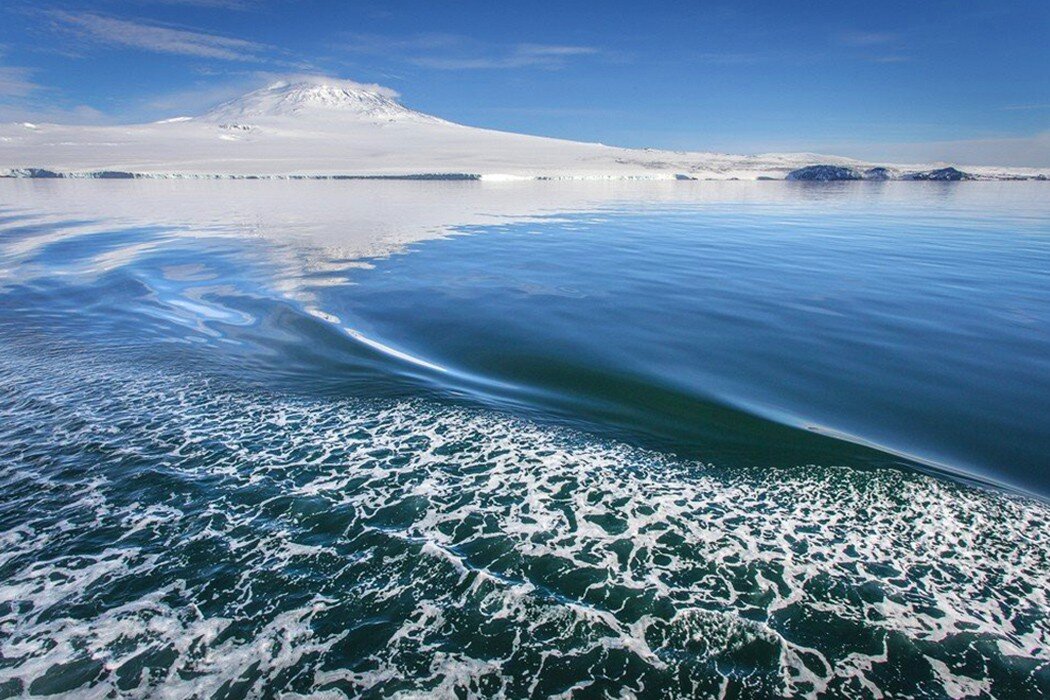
(33, 172)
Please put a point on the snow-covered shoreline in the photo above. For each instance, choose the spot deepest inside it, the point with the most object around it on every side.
(319, 130)
(41, 173)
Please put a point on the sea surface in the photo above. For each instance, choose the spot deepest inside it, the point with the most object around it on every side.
(468, 439)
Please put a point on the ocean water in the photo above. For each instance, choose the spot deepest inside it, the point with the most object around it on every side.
(768, 439)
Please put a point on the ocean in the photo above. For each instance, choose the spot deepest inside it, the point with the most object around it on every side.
(551, 439)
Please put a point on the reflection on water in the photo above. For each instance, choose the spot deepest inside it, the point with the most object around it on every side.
(668, 438)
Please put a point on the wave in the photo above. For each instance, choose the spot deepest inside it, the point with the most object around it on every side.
(231, 541)
(257, 317)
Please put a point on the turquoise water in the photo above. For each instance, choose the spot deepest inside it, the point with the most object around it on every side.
(756, 439)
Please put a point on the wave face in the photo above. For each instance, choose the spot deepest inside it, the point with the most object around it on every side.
(657, 448)
(240, 543)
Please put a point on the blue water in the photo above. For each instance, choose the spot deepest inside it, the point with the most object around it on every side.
(756, 439)
(685, 328)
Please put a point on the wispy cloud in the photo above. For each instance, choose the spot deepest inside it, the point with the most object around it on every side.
(554, 50)
(225, 4)
(454, 52)
(1026, 108)
(41, 111)
(522, 56)
(889, 58)
(875, 47)
(157, 38)
(380, 44)
(867, 38)
(198, 98)
(733, 58)
(24, 99)
(16, 81)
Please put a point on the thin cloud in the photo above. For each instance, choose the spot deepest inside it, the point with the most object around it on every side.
(520, 56)
(875, 47)
(733, 59)
(224, 4)
(157, 38)
(16, 81)
(554, 50)
(51, 114)
(197, 99)
(1026, 108)
(455, 52)
(892, 58)
(379, 44)
(867, 38)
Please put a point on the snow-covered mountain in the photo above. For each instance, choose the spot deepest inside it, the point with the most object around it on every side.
(316, 127)
(313, 102)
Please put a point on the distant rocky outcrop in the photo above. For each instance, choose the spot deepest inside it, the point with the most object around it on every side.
(878, 173)
(942, 175)
(32, 172)
(824, 173)
(832, 173)
(111, 175)
(93, 175)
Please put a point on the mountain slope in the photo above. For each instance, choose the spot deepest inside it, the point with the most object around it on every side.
(315, 102)
(327, 128)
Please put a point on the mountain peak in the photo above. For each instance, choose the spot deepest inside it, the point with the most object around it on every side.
(317, 98)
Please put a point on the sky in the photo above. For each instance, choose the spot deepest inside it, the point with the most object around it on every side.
(954, 80)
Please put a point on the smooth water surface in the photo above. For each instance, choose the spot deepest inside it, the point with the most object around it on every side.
(529, 439)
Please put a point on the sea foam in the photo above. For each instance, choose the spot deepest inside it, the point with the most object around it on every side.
(226, 542)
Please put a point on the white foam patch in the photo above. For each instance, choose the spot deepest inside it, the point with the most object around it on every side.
(222, 542)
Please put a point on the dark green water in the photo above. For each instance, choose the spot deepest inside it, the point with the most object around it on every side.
(755, 440)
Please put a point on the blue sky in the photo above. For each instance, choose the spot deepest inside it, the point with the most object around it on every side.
(932, 79)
